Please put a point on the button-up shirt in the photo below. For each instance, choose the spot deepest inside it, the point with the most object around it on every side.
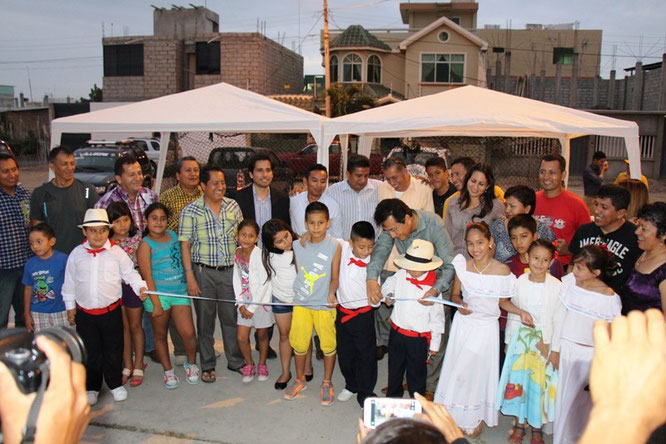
(175, 199)
(93, 280)
(429, 227)
(297, 205)
(143, 198)
(262, 210)
(354, 206)
(351, 291)
(14, 211)
(212, 236)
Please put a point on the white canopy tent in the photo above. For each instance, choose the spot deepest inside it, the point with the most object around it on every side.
(219, 107)
(480, 112)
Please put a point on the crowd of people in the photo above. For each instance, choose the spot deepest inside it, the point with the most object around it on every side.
(484, 299)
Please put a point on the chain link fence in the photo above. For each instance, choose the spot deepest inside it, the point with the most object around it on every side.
(515, 160)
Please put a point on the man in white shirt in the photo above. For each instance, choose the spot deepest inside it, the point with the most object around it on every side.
(315, 181)
(401, 185)
(357, 196)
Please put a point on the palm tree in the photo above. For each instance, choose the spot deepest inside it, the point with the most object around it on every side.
(347, 99)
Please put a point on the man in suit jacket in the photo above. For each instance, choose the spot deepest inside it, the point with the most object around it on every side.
(259, 201)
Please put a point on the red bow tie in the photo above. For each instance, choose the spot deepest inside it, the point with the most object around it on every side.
(428, 280)
(94, 252)
(357, 262)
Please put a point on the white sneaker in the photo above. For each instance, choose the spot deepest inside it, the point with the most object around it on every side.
(345, 395)
(180, 359)
(171, 381)
(191, 373)
(92, 397)
(119, 394)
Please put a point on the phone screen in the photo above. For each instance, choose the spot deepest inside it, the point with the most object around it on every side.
(383, 409)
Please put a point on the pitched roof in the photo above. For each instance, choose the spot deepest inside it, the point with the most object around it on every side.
(355, 36)
(450, 24)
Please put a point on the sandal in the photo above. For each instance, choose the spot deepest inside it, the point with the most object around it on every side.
(137, 378)
(537, 437)
(208, 376)
(126, 374)
(477, 431)
(517, 434)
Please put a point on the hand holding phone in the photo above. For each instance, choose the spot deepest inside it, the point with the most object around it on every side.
(376, 411)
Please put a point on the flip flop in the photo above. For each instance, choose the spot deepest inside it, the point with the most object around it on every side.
(126, 374)
(208, 376)
(137, 378)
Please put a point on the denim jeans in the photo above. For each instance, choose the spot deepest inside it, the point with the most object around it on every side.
(11, 294)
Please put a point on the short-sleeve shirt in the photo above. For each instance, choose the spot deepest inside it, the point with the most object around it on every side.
(438, 200)
(14, 211)
(621, 242)
(564, 214)
(143, 198)
(63, 210)
(46, 277)
(299, 202)
(355, 206)
(175, 199)
(314, 272)
(457, 220)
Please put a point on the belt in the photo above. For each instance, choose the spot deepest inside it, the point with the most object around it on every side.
(412, 333)
(100, 311)
(210, 267)
(351, 314)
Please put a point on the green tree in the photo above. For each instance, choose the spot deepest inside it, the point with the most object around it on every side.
(347, 99)
(95, 95)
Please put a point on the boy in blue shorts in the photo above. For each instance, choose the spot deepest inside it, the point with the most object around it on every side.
(43, 276)
(318, 263)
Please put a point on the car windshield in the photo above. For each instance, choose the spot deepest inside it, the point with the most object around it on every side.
(95, 162)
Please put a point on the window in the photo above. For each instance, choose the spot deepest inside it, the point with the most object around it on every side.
(334, 69)
(443, 36)
(455, 20)
(498, 49)
(374, 69)
(123, 60)
(563, 56)
(352, 68)
(208, 58)
(442, 68)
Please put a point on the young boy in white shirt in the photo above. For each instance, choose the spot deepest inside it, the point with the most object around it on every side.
(92, 294)
(416, 325)
(355, 320)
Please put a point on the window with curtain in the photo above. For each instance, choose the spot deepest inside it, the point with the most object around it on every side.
(352, 68)
(374, 69)
(442, 68)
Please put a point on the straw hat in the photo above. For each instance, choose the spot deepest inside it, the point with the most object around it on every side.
(419, 257)
(95, 217)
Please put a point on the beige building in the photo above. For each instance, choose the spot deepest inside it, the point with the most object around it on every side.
(442, 48)
(187, 51)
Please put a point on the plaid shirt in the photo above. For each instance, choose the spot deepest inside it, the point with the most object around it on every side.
(212, 236)
(175, 199)
(144, 198)
(14, 218)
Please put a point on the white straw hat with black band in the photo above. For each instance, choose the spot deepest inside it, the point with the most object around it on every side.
(419, 257)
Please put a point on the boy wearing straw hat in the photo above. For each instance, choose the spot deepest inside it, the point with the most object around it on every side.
(416, 328)
(92, 294)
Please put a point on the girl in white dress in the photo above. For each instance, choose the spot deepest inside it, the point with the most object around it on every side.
(587, 298)
(468, 383)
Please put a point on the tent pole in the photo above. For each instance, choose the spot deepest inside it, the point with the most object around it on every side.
(344, 155)
(164, 148)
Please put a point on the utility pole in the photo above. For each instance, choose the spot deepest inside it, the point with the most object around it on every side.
(327, 62)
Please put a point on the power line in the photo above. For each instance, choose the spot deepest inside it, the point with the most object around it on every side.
(52, 60)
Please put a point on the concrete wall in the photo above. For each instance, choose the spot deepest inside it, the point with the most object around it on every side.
(184, 23)
(420, 15)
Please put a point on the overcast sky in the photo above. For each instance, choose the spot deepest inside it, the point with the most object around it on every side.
(58, 44)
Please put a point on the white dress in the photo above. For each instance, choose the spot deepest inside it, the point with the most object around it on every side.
(468, 383)
(573, 403)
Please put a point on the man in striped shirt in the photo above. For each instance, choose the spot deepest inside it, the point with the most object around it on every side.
(357, 196)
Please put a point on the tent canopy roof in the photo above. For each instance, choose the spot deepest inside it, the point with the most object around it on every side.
(219, 107)
(475, 111)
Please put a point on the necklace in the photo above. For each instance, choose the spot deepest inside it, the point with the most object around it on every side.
(644, 257)
(477, 270)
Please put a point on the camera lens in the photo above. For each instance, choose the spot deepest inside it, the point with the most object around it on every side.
(18, 356)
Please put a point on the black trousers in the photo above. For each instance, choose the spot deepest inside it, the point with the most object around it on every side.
(356, 346)
(103, 337)
(407, 354)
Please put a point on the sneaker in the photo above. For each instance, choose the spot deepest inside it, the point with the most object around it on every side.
(345, 395)
(180, 359)
(294, 389)
(171, 381)
(262, 371)
(248, 372)
(327, 394)
(191, 372)
(119, 394)
(92, 397)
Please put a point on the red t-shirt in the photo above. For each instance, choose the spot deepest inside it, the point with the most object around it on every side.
(563, 214)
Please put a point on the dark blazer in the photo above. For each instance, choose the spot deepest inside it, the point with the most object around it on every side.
(279, 204)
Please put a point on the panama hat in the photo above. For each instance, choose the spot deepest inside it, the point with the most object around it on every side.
(95, 217)
(419, 257)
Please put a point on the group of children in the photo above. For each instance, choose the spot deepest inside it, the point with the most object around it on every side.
(318, 282)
